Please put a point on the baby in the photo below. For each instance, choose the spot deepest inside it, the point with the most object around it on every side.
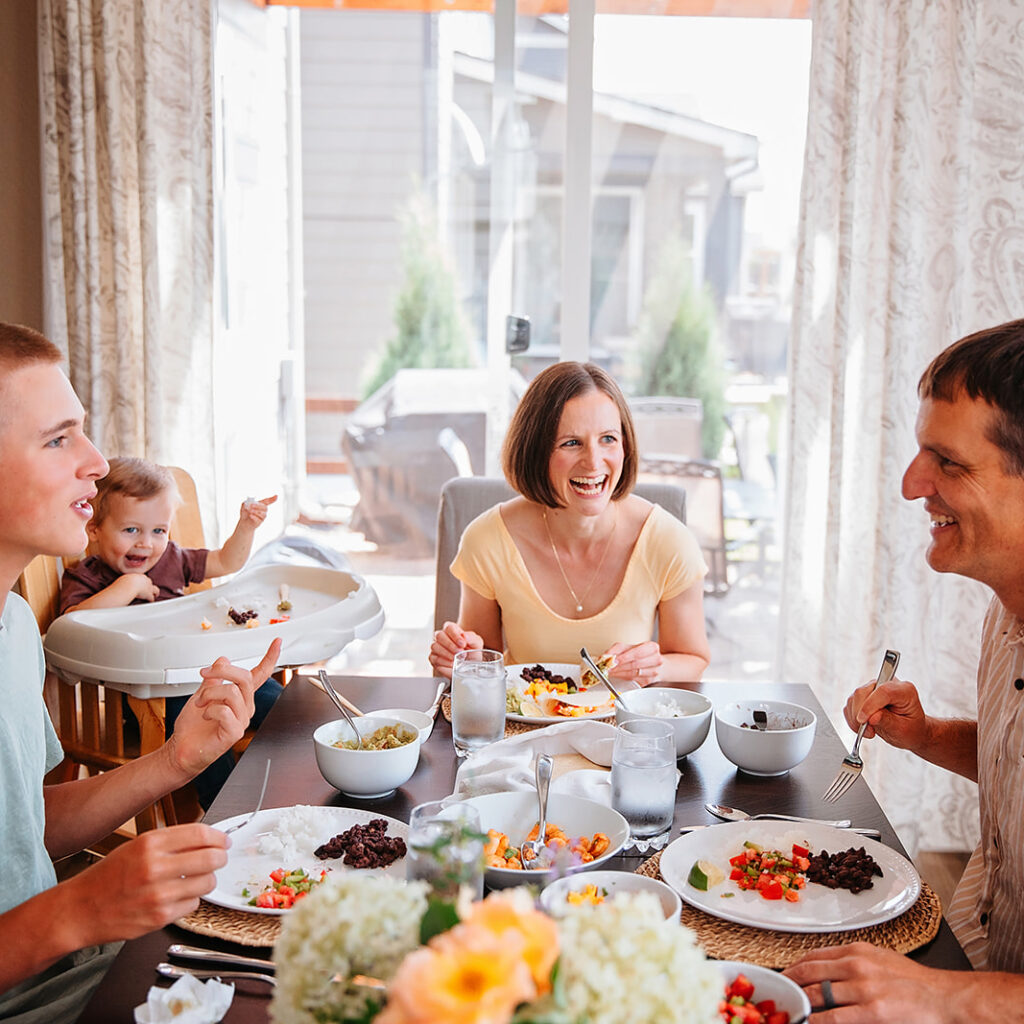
(131, 560)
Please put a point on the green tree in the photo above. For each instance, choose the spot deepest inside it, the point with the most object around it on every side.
(431, 330)
(677, 339)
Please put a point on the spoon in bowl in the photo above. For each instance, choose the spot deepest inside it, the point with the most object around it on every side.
(530, 851)
(325, 681)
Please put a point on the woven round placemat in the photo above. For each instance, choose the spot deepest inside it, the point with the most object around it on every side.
(511, 728)
(234, 925)
(724, 940)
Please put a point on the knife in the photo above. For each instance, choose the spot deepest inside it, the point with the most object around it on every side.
(869, 833)
(212, 956)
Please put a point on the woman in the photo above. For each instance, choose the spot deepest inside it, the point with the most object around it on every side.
(577, 560)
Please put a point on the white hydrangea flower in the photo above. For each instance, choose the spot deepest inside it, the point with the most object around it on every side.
(352, 924)
(622, 961)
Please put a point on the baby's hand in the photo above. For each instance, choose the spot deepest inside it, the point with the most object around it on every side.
(254, 511)
(137, 585)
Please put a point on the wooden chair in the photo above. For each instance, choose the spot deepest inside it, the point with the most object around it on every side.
(89, 716)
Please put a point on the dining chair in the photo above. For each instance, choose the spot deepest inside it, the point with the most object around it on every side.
(464, 498)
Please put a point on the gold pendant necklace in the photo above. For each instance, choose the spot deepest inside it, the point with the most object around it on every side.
(551, 540)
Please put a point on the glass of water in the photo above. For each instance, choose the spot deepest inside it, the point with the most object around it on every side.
(478, 700)
(644, 780)
(446, 849)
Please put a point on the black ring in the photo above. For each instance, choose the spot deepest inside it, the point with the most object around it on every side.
(826, 994)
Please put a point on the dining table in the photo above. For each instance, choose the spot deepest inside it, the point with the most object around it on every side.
(286, 738)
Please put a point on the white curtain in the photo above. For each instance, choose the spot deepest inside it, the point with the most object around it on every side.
(912, 235)
(128, 207)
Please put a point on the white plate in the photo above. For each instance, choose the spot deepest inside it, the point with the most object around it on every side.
(246, 866)
(513, 676)
(819, 909)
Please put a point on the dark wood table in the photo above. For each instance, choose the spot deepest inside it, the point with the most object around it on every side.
(285, 737)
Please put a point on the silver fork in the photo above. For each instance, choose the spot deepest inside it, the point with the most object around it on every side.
(852, 764)
(256, 810)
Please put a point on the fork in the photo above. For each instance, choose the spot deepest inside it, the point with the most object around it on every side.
(852, 764)
(256, 810)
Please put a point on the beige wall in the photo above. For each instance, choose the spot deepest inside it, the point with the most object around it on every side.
(21, 259)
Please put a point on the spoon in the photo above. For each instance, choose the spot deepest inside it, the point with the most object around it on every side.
(333, 694)
(600, 675)
(530, 851)
(760, 720)
(734, 814)
(174, 971)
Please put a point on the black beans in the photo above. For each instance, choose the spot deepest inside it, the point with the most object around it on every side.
(364, 846)
(853, 869)
(547, 676)
(240, 618)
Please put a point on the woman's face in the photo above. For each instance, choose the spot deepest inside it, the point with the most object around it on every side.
(586, 462)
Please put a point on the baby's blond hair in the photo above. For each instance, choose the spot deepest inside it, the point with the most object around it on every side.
(135, 478)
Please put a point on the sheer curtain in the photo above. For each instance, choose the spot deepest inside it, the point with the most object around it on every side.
(128, 208)
(912, 235)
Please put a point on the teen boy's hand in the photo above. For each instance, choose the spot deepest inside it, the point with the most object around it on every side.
(216, 715)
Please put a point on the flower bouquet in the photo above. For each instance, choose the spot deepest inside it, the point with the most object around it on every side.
(366, 948)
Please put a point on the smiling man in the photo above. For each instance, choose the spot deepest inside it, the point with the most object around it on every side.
(969, 469)
(57, 939)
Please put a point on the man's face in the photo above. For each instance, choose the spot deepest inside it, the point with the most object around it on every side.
(976, 506)
(47, 467)
(133, 534)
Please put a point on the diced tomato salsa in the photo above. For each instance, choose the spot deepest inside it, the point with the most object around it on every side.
(772, 873)
(285, 889)
(738, 1006)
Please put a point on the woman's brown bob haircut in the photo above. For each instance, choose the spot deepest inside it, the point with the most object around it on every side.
(531, 435)
(987, 365)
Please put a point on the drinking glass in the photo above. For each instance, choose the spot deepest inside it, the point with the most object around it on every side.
(478, 700)
(446, 849)
(644, 780)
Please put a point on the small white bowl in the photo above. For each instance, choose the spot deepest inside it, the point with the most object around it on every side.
(768, 984)
(555, 897)
(516, 813)
(782, 746)
(419, 720)
(364, 773)
(691, 727)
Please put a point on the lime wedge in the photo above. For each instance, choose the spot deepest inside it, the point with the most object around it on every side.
(704, 875)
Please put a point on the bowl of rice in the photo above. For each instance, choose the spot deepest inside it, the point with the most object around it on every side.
(689, 713)
(367, 773)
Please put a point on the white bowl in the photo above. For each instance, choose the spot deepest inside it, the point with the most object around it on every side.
(516, 813)
(419, 720)
(554, 898)
(768, 984)
(691, 728)
(364, 773)
(783, 745)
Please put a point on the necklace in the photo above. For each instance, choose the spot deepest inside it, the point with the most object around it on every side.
(579, 600)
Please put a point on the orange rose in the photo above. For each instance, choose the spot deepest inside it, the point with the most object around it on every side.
(459, 983)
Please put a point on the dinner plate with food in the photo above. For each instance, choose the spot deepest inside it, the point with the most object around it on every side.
(284, 853)
(549, 692)
(789, 877)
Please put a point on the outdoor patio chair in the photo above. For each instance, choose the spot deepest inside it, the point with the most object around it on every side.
(668, 426)
(464, 498)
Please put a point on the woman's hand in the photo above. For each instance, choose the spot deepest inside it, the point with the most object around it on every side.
(637, 662)
(448, 641)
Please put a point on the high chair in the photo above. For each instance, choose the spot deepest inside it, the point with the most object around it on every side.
(87, 715)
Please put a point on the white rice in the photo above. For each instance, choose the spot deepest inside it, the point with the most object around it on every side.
(296, 834)
(668, 709)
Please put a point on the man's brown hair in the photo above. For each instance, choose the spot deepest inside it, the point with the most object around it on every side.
(134, 478)
(531, 435)
(987, 365)
(20, 345)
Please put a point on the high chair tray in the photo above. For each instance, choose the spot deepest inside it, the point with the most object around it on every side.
(156, 650)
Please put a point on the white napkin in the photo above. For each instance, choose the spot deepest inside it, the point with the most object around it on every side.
(187, 1001)
(509, 764)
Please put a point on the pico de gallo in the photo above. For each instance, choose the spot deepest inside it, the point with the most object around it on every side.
(285, 889)
(738, 1006)
(772, 873)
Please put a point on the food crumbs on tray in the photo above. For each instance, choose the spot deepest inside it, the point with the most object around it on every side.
(280, 618)
(252, 623)
(206, 624)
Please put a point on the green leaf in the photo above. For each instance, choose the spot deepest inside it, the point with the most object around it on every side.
(440, 916)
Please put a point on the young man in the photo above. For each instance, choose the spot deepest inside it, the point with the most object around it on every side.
(969, 469)
(64, 932)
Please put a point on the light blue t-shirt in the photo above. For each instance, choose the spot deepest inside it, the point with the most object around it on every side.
(29, 748)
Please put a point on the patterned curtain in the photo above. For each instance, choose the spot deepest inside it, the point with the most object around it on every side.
(912, 235)
(128, 209)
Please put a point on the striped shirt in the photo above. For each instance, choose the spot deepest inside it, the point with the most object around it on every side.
(985, 913)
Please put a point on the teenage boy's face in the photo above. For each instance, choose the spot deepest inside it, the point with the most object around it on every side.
(133, 534)
(47, 467)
